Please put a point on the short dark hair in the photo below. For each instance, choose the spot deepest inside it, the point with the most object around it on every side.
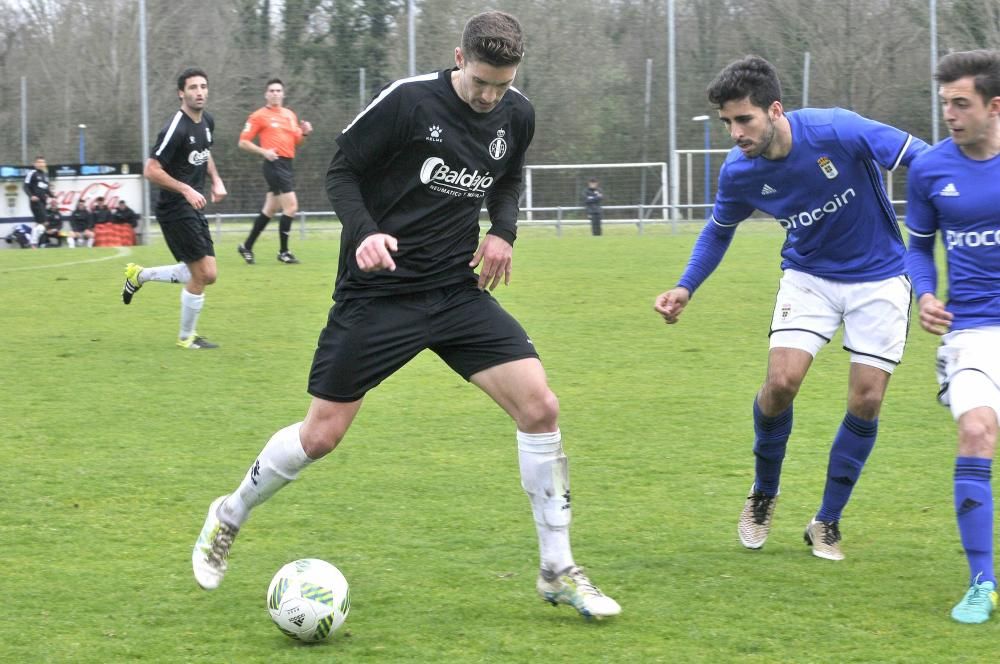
(982, 65)
(495, 38)
(751, 76)
(272, 81)
(190, 72)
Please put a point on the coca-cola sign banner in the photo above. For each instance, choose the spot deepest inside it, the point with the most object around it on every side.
(72, 183)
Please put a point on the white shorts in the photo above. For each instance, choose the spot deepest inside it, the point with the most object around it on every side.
(968, 370)
(875, 314)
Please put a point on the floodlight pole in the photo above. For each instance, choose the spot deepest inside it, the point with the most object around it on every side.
(411, 29)
(83, 143)
(708, 158)
(144, 107)
(675, 181)
(935, 113)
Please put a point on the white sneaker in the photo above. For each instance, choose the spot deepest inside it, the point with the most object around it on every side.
(210, 556)
(572, 587)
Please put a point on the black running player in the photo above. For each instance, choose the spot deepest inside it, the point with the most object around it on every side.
(178, 164)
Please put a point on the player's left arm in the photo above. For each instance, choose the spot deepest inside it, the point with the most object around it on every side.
(870, 139)
(495, 251)
(218, 187)
(304, 129)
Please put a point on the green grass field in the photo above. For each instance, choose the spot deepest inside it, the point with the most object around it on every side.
(115, 442)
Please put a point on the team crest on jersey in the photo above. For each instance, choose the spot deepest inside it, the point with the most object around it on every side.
(829, 170)
(434, 134)
(498, 146)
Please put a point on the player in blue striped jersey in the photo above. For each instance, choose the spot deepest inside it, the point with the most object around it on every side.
(816, 171)
(953, 188)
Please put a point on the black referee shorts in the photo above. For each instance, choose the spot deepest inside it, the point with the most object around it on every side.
(368, 339)
(278, 175)
(186, 233)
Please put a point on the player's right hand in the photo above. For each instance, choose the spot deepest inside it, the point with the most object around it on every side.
(671, 303)
(373, 253)
(270, 154)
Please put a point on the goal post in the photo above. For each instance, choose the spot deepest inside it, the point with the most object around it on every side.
(633, 192)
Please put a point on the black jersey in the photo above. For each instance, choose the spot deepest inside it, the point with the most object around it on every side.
(53, 219)
(81, 220)
(183, 149)
(36, 183)
(426, 163)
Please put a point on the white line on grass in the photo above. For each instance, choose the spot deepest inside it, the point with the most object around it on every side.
(122, 251)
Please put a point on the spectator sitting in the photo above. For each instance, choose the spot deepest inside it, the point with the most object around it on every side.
(123, 214)
(113, 229)
(100, 211)
(81, 223)
(52, 234)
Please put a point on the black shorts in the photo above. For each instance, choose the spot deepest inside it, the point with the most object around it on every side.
(38, 210)
(367, 339)
(186, 232)
(278, 175)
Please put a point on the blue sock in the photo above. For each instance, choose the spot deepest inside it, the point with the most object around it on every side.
(974, 509)
(770, 438)
(854, 442)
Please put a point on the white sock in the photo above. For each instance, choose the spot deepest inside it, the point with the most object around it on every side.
(71, 241)
(191, 305)
(545, 478)
(90, 242)
(174, 274)
(278, 463)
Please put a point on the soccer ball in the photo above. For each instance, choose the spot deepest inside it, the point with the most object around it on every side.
(308, 599)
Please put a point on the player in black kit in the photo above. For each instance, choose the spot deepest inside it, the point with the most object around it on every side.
(36, 186)
(179, 161)
(411, 175)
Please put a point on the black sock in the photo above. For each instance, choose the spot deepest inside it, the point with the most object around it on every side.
(259, 224)
(284, 230)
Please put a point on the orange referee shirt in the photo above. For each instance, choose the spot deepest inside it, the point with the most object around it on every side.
(278, 129)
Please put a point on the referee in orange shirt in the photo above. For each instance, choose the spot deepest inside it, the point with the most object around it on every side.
(279, 132)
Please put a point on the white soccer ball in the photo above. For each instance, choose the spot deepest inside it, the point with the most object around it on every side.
(308, 599)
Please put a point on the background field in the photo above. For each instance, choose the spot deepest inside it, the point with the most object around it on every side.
(115, 442)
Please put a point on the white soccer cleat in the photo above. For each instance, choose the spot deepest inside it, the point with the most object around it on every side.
(755, 519)
(210, 556)
(572, 587)
(824, 538)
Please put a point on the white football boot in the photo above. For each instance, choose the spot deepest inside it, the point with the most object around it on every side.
(571, 586)
(210, 556)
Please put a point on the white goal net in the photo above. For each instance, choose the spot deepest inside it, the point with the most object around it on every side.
(633, 192)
